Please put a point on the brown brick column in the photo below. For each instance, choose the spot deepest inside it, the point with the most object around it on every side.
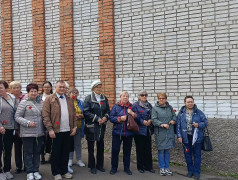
(38, 26)
(106, 48)
(67, 41)
(6, 40)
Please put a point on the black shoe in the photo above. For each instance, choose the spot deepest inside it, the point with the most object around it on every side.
(190, 174)
(141, 170)
(112, 172)
(18, 171)
(152, 170)
(101, 169)
(128, 171)
(93, 171)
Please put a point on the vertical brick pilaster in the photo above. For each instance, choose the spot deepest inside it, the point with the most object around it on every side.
(107, 49)
(67, 41)
(38, 26)
(6, 38)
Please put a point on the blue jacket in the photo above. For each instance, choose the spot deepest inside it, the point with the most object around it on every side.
(80, 104)
(197, 117)
(119, 128)
(143, 114)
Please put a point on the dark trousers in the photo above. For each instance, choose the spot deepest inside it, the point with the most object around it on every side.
(6, 142)
(32, 148)
(193, 156)
(99, 156)
(143, 152)
(18, 150)
(60, 153)
(116, 144)
(46, 145)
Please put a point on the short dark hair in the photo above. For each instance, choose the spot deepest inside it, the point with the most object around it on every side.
(4, 84)
(187, 97)
(31, 86)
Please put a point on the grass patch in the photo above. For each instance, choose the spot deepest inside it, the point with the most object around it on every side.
(175, 164)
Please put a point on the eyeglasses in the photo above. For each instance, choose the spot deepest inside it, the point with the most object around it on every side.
(143, 95)
(162, 98)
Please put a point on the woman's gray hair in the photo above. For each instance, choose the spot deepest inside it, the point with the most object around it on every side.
(142, 92)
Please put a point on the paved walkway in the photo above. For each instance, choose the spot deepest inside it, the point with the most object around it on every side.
(84, 174)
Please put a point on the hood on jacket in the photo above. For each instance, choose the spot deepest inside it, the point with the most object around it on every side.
(158, 105)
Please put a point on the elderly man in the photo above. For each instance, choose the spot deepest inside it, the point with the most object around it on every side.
(59, 118)
(15, 88)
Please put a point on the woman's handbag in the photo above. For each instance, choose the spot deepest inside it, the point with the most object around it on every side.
(131, 124)
(207, 144)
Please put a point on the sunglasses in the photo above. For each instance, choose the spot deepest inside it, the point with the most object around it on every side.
(142, 95)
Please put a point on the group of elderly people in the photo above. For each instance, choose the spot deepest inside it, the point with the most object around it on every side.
(55, 123)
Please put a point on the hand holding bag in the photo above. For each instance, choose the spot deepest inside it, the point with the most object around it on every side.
(207, 144)
(131, 124)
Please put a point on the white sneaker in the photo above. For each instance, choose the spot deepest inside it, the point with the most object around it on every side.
(68, 176)
(2, 176)
(37, 176)
(58, 177)
(80, 163)
(162, 172)
(9, 175)
(30, 176)
(70, 163)
(168, 172)
(71, 171)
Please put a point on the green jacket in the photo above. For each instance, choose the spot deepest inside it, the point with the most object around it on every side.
(164, 138)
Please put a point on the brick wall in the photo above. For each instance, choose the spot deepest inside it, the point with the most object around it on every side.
(86, 45)
(52, 38)
(180, 47)
(22, 40)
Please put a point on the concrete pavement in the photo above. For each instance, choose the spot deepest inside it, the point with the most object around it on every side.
(83, 172)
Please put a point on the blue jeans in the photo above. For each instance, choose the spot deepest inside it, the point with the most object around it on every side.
(164, 157)
(193, 156)
(32, 150)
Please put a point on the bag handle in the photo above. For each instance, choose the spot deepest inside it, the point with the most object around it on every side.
(206, 132)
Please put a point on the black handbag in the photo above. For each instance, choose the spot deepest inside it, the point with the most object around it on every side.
(207, 144)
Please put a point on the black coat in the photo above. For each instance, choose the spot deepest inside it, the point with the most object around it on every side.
(94, 110)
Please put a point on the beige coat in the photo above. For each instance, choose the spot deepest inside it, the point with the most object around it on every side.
(51, 113)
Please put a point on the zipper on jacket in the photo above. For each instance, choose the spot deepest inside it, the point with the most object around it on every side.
(124, 123)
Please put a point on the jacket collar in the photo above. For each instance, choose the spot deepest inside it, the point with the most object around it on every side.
(93, 98)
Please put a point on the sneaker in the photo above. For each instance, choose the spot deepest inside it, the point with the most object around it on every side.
(57, 177)
(80, 163)
(70, 163)
(2, 176)
(37, 175)
(30, 176)
(168, 172)
(68, 176)
(9, 175)
(71, 171)
(162, 172)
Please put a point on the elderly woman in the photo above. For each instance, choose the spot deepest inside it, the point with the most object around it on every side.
(47, 142)
(8, 106)
(119, 118)
(96, 114)
(164, 118)
(143, 110)
(29, 117)
(15, 88)
(189, 119)
(78, 104)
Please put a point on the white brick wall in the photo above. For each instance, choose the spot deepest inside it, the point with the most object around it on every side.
(52, 38)
(22, 40)
(86, 44)
(180, 47)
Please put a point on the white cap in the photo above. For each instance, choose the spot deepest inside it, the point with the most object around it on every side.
(95, 83)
